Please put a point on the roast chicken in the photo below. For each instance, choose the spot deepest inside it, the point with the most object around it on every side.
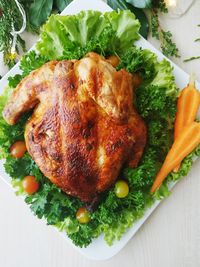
(84, 126)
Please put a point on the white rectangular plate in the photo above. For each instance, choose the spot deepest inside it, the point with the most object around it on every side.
(98, 249)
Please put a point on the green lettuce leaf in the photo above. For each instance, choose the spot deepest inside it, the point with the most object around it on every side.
(126, 27)
(165, 78)
(73, 36)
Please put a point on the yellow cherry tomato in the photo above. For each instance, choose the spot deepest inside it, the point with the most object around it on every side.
(83, 215)
(121, 189)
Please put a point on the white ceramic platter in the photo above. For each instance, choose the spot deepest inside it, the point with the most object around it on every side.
(98, 249)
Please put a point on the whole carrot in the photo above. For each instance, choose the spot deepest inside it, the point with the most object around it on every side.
(187, 108)
(186, 142)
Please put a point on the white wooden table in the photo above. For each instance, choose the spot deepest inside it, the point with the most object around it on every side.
(171, 236)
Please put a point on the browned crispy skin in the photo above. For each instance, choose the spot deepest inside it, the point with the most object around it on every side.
(84, 127)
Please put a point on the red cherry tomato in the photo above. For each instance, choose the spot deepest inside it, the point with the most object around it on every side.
(30, 185)
(18, 149)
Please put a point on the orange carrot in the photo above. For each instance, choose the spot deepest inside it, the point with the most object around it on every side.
(187, 108)
(187, 141)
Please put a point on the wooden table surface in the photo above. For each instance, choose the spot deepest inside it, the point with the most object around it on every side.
(170, 237)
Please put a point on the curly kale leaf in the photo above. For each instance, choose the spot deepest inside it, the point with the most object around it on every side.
(49, 202)
(19, 168)
(31, 61)
(141, 61)
(13, 81)
(152, 101)
(9, 134)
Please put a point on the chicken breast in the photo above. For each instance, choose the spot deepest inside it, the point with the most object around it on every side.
(84, 126)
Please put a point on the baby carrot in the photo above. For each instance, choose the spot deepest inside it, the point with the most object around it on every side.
(187, 108)
(186, 142)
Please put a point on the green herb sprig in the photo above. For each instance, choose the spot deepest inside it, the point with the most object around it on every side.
(37, 12)
(9, 17)
(193, 57)
(168, 46)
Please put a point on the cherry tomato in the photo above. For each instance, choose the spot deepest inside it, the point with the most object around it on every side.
(113, 60)
(30, 185)
(121, 189)
(18, 149)
(82, 215)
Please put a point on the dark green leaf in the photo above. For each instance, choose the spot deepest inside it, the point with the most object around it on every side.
(140, 15)
(140, 3)
(40, 11)
(30, 61)
(115, 4)
(61, 4)
(13, 81)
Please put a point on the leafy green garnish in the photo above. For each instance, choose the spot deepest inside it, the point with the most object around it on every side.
(73, 36)
(140, 15)
(168, 46)
(13, 81)
(152, 101)
(138, 60)
(156, 97)
(49, 202)
(29, 62)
